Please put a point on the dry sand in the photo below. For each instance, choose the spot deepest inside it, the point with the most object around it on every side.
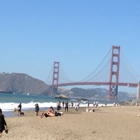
(106, 123)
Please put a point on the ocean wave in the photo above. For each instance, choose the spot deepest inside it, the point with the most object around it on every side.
(30, 106)
(25, 106)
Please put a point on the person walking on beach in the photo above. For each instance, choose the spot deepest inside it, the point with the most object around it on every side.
(3, 125)
(76, 105)
(72, 104)
(58, 106)
(19, 109)
(96, 104)
(66, 106)
(88, 104)
(63, 104)
(36, 109)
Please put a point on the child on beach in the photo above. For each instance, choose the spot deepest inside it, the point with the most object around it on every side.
(36, 109)
(3, 125)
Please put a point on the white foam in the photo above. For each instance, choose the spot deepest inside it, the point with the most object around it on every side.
(11, 106)
(25, 106)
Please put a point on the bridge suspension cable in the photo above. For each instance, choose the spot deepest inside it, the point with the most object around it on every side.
(129, 71)
(64, 74)
(99, 71)
(50, 74)
(97, 67)
(130, 64)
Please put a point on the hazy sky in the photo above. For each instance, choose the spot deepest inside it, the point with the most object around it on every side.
(77, 33)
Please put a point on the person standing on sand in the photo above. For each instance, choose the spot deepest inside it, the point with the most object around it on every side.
(76, 105)
(63, 104)
(19, 109)
(66, 106)
(3, 125)
(36, 109)
(88, 104)
(72, 104)
(58, 106)
(94, 103)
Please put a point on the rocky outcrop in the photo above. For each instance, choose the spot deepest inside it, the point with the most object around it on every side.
(23, 84)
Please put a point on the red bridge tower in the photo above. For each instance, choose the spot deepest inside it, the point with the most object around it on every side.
(55, 77)
(114, 73)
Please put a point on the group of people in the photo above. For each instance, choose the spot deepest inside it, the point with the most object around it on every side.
(3, 124)
(66, 105)
(36, 109)
(95, 103)
(51, 113)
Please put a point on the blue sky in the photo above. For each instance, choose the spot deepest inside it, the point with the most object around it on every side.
(77, 33)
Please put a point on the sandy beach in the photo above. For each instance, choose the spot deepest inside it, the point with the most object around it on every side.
(106, 123)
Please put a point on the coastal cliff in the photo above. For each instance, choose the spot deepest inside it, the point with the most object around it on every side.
(22, 84)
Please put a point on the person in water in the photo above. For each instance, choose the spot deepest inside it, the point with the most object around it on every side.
(3, 125)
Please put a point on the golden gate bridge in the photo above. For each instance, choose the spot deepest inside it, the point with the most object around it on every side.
(113, 81)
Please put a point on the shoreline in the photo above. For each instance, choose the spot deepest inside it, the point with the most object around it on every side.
(9, 114)
(83, 108)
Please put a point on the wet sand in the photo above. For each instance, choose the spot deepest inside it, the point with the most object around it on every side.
(106, 123)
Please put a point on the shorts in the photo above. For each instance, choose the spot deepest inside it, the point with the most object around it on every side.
(2, 128)
(58, 108)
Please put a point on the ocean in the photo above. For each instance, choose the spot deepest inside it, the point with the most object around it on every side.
(8, 102)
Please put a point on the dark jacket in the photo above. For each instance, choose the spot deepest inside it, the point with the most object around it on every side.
(37, 108)
(2, 123)
(19, 107)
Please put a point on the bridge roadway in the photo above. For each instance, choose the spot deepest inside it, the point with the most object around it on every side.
(96, 83)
